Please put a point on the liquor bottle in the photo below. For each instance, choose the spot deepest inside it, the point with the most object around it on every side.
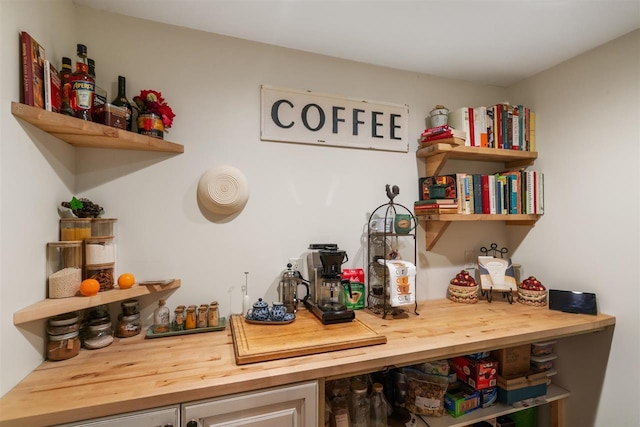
(161, 318)
(378, 410)
(82, 86)
(65, 75)
(100, 94)
(121, 100)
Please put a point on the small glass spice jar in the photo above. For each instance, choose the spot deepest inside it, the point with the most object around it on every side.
(213, 317)
(63, 324)
(128, 326)
(190, 318)
(202, 316)
(178, 318)
(62, 347)
(98, 336)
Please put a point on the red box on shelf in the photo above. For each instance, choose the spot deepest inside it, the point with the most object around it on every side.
(479, 374)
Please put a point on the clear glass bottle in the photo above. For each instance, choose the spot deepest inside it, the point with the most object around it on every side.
(378, 404)
(359, 407)
(82, 86)
(161, 317)
(121, 100)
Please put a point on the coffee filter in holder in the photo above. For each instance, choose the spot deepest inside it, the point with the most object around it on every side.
(223, 190)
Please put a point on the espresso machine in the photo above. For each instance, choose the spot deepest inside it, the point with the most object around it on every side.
(324, 265)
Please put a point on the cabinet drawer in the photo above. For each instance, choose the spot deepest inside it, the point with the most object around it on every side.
(289, 406)
(159, 417)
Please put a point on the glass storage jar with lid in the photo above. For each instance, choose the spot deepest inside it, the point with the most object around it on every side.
(98, 336)
(75, 228)
(63, 324)
(62, 347)
(64, 268)
(128, 326)
(103, 227)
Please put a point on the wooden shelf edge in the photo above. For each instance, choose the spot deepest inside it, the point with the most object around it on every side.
(519, 218)
(52, 307)
(81, 133)
(436, 224)
(554, 393)
(476, 153)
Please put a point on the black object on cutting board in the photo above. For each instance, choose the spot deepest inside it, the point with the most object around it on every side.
(573, 302)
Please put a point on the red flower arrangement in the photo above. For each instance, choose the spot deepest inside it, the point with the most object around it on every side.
(151, 101)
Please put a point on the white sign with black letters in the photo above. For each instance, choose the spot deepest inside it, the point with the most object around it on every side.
(306, 117)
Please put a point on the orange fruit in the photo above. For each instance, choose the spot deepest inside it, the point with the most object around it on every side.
(89, 287)
(126, 280)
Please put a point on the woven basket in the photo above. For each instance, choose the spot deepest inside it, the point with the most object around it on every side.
(463, 294)
(534, 298)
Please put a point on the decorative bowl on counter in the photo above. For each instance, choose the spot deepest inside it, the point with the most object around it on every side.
(463, 288)
(532, 292)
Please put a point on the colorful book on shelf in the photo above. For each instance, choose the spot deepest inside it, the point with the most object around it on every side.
(477, 193)
(515, 128)
(486, 209)
(418, 207)
(490, 122)
(532, 131)
(33, 56)
(52, 88)
(437, 201)
(480, 126)
(462, 119)
(443, 135)
(435, 211)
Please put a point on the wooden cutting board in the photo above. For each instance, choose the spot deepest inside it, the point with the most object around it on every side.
(306, 335)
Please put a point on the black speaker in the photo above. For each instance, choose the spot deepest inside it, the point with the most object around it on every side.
(573, 301)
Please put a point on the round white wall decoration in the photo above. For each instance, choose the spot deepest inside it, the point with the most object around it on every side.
(223, 190)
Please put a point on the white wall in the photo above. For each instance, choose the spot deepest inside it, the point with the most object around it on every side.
(299, 194)
(36, 173)
(588, 134)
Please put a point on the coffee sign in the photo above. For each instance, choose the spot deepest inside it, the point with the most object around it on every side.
(307, 117)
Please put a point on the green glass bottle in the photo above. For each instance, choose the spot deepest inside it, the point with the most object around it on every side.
(121, 100)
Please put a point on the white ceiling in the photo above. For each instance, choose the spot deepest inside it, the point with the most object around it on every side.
(490, 42)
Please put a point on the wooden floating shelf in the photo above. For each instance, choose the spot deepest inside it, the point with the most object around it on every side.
(82, 133)
(435, 156)
(54, 306)
(436, 224)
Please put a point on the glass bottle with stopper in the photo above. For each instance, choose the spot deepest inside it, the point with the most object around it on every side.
(161, 317)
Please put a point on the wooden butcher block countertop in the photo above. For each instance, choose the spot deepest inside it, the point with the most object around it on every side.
(136, 373)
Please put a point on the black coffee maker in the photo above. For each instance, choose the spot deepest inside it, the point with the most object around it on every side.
(328, 303)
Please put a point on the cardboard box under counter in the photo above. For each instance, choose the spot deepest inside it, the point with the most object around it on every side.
(479, 374)
(513, 360)
(520, 387)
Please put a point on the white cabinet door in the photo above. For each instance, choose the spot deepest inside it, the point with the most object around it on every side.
(160, 417)
(289, 406)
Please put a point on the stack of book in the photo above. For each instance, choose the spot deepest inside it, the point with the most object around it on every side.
(435, 206)
(502, 126)
(508, 192)
(442, 135)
